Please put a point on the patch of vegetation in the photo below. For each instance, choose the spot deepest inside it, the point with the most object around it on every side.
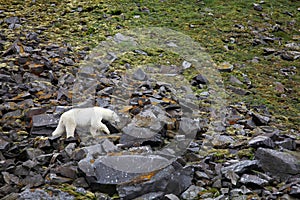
(248, 153)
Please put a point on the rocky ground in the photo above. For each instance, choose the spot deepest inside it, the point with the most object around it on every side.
(184, 134)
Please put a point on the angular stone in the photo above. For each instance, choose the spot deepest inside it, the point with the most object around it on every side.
(232, 176)
(172, 179)
(13, 114)
(192, 192)
(69, 149)
(295, 191)
(235, 80)
(33, 180)
(3, 144)
(52, 194)
(10, 178)
(287, 143)
(201, 175)
(108, 146)
(33, 153)
(222, 141)
(44, 120)
(43, 124)
(261, 141)
(68, 171)
(201, 79)
(238, 91)
(260, 119)
(241, 167)
(120, 169)
(145, 127)
(248, 179)
(279, 164)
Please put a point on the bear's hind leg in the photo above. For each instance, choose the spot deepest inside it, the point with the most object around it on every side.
(59, 129)
(70, 128)
(93, 131)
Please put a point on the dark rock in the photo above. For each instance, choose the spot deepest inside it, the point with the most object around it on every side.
(260, 119)
(139, 136)
(172, 179)
(43, 124)
(68, 171)
(42, 194)
(201, 175)
(35, 194)
(217, 183)
(78, 154)
(269, 51)
(69, 149)
(192, 192)
(261, 141)
(5, 77)
(33, 153)
(241, 167)
(295, 191)
(201, 79)
(4, 145)
(235, 80)
(239, 91)
(42, 142)
(80, 182)
(222, 141)
(120, 169)
(253, 180)
(287, 56)
(29, 164)
(21, 171)
(279, 164)
(232, 176)
(13, 114)
(33, 180)
(257, 7)
(287, 143)
(145, 127)
(10, 178)
(108, 146)
(45, 159)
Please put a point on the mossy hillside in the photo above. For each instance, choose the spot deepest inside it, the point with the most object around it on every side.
(226, 29)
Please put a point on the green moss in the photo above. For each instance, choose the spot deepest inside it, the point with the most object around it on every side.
(248, 153)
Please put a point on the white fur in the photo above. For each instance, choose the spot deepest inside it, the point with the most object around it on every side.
(85, 117)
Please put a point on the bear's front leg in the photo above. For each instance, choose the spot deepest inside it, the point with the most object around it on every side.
(102, 127)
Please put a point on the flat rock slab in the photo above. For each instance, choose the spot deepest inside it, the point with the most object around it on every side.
(120, 169)
(279, 164)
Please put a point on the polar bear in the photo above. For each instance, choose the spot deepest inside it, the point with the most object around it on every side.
(85, 117)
